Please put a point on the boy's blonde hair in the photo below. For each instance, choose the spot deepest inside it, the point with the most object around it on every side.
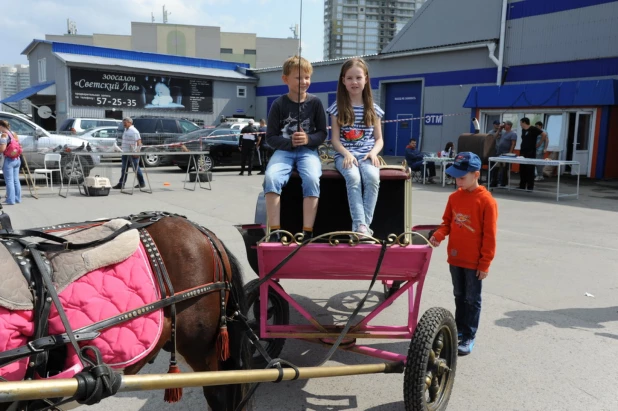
(291, 65)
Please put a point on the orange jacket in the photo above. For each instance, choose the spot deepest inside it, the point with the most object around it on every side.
(470, 220)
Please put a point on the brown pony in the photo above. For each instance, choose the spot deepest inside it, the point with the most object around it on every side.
(189, 259)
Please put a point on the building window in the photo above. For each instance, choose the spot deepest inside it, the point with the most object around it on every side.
(227, 51)
(241, 91)
(42, 70)
(250, 51)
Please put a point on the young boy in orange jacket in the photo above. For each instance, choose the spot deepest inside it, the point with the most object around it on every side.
(470, 220)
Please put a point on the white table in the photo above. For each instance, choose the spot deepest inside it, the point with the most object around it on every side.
(76, 164)
(439, 161)
(533, 162)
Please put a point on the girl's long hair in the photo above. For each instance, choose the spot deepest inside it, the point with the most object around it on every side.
(7, 125)
(345, 112)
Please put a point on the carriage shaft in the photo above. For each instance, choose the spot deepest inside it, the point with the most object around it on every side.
(30, 390)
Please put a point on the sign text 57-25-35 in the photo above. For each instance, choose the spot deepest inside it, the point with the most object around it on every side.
(106, 101)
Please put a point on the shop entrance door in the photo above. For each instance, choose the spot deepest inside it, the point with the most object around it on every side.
(579, 139)
(403, 102)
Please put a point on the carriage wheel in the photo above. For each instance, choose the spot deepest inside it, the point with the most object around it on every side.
(278, 314)
(431, 363)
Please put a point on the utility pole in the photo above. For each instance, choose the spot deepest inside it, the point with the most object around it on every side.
(294, 30)
(165, 14)
(152, 19)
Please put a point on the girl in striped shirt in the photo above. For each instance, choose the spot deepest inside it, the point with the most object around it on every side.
(357, 138)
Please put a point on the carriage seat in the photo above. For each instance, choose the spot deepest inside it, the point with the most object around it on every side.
(334, 211)
(68, 266)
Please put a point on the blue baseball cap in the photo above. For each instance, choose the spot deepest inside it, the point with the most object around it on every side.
(464, 163)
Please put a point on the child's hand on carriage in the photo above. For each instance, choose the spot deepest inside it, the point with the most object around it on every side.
(374, 159)
(481, 275)
(434, 242)
(300, 138)
(349, 160)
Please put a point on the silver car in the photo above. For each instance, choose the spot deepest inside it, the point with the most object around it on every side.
(36, 142)
(104, 138)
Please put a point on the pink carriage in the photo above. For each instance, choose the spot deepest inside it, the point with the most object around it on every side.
(431, 360)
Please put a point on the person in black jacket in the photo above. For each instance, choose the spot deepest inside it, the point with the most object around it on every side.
(263, 147)
(527, 149)
(246, 145)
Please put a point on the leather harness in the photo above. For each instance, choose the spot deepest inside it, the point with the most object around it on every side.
(36, 268)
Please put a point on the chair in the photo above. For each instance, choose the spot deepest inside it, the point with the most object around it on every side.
(50, 158)
(417, 176)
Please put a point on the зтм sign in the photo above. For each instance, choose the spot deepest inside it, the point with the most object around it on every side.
(433, 119)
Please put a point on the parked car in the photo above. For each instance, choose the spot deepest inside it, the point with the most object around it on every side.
(100, 136)
(239, 125)
(154, 130)
(79, 125)
(35, 142)
(221, 142)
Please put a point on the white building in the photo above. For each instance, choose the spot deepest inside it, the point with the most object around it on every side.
(359, 27)
(204, 42)
(13, 79)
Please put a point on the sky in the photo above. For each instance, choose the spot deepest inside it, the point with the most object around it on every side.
(25, 20)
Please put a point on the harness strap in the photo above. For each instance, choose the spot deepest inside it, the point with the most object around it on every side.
(67, 245)
(158, 267)
(51, 292)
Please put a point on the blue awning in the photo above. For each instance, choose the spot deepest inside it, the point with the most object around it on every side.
(28, 92)
(556, 94)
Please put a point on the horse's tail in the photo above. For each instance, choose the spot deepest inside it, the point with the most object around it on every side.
(240, 354)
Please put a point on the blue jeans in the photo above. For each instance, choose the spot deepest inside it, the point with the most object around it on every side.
(280, 167)
(467, 290)
(363, 183)
(125, 167)
(538, 171)
(11, 179)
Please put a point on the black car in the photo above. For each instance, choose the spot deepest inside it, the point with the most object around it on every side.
(221, 142)
(155, 130)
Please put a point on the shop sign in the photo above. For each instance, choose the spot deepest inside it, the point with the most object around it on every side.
(433, 119)
(95, 88)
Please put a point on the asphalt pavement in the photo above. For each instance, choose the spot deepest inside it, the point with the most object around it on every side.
(548, 338)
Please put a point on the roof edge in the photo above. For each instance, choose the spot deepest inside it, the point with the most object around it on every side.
(392, 54)
(33, 44)
(314, 63)
(169, 71)
(439, 49)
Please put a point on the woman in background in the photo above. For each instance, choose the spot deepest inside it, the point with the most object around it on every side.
(11, 165)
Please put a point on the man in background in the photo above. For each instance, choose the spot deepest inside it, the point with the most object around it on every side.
(263, 147)
(131, 143)
(542, 142)
(246, 145)
(505, 145)
(529, 136)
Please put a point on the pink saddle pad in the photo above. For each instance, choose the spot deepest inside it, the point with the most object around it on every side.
(98, 295)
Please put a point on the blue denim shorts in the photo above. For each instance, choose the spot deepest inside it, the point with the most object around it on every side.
(281, 164)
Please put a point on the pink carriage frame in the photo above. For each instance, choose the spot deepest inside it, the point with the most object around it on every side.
(319, 261)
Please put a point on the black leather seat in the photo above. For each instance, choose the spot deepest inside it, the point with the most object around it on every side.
(334, 211)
